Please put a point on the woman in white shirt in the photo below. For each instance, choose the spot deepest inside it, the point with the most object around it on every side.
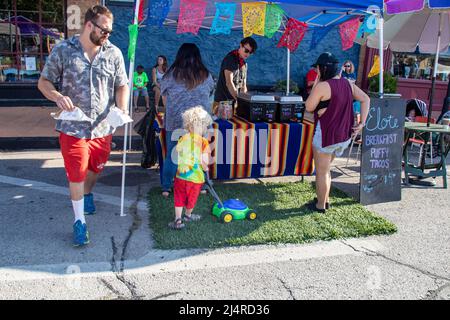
(158, 71)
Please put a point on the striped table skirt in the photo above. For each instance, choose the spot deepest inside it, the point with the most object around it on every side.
(242, 149)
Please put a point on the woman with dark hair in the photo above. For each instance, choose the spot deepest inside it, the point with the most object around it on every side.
(186, 84)
(158, 71)
(331, 100)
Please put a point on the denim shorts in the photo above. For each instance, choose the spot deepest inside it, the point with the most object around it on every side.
(338, 148)
(142, 91)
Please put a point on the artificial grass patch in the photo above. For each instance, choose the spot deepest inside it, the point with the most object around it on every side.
(282, 218)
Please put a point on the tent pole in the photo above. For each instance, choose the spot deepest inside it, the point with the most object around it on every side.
(288, 70)
(436, 61)
(381, 53)
(130, 110)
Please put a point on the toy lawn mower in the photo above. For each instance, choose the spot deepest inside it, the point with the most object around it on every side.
(232, 209)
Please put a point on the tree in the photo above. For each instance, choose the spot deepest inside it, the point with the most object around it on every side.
(52, 10)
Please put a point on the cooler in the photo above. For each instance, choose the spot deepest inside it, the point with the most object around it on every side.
(257, 107)
(290, 109)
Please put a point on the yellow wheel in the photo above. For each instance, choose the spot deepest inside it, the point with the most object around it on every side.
(226, 217)
(251, 215)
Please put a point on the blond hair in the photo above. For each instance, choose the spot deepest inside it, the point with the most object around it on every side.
(196, 120)
(352, 68)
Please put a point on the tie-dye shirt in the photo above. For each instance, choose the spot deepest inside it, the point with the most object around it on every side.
(190, 148)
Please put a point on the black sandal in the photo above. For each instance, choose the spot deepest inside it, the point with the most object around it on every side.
(327, 204)
(312, 206)
(177, 224)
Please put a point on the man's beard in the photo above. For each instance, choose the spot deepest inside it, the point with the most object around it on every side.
(98, 41)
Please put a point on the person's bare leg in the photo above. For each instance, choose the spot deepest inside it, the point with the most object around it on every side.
(189, 211)
(333, 156)
(147, 103)
(178, 212)
(89, 183)
(157, 96)
(322, 162)
(135, 100)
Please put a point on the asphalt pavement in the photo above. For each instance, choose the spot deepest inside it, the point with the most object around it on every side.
(37, 260)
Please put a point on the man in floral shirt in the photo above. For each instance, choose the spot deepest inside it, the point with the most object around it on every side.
(90, 73)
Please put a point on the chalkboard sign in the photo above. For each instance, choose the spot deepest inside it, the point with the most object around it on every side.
(382, 143)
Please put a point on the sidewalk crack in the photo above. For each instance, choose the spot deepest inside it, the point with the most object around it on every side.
(112, 289)
(164, 295)
(137, 221)
(119, 270)
(372, 253)
(287, 288)
(130, 286)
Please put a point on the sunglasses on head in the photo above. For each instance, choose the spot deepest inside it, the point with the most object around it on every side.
(102, 30)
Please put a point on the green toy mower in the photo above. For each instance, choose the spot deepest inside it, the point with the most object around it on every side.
(231, 209)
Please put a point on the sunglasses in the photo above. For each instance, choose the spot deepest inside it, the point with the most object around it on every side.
(248, 51)
(102, 30)
(347, 66)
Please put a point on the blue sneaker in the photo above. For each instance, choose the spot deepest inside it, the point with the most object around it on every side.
(80, 234)
(89, 207)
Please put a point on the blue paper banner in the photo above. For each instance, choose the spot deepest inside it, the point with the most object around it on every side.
(223, 20)
(368, 26)
(158, 11)
(439, 4)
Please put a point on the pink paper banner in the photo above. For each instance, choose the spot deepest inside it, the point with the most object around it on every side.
(192, 13)
(293, 34)
(348, 31)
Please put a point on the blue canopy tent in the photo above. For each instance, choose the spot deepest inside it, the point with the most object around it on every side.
(316, 13)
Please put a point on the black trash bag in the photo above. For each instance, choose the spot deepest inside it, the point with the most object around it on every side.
(144, 128)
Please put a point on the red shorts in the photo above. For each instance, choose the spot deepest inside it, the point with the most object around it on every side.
(185, 193)
(81, 155)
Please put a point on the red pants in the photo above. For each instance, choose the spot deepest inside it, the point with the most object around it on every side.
(185, 193)
(81, 155)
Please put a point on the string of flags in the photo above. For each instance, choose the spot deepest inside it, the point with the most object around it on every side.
(260, 18)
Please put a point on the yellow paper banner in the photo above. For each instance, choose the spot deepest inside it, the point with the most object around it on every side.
(253, 18)
(375, 67)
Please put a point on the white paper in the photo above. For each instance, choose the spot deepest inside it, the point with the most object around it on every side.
(30, 63)
(117, 118)
(75, 115)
